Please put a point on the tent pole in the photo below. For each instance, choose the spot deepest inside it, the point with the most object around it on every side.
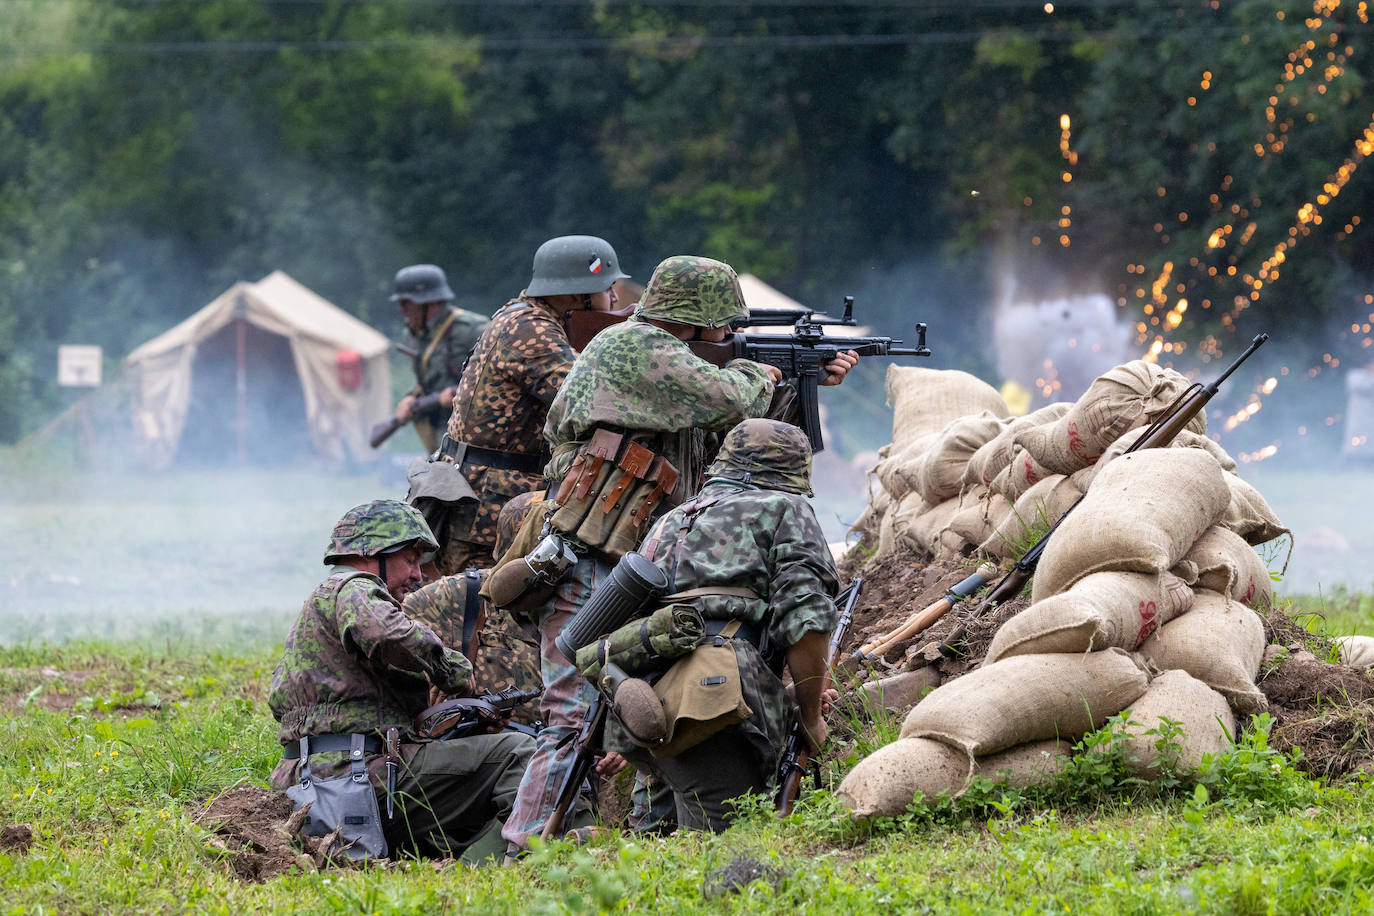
(241, 389)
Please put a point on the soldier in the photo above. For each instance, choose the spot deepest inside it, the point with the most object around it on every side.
(439, 338)
(751, 532)
(354, 667)
(495, 430)
(637, 381)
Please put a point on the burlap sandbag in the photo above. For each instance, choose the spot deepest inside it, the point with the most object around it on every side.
(1226, 564)
(940, 474)
(1022, 473)
(990, 460)
(885, 782)
(1028, 698)
(1185, 439)
(898, 471)
(1142, 513)
(1203, 714)
(1033, 764)
(1130, 395)
(971, 521)
(1033, 514)
(887, 533)
(1220, 642)
(896, 694)
(1356, 650)
(1102, 610)
(925, 400)
(950, 548)
(923, 528)
(1249, 515)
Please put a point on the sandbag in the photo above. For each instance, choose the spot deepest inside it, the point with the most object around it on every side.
(897, 694)
(898, 471)
(1033, 764)
(1027, 698)
(1356, 650)
(1203, 714)
(925, 400)
(1186, 438)
(990, 459)
(1033, 514)
(887, 533)
(971, 521)
(1142, 513)
(922, 530)
(1220, 642)
(1226, 564)
(1125, 397)
(885, 782)
(1020, 474)
(940, 474)
(1102, 610)
(1248, 514)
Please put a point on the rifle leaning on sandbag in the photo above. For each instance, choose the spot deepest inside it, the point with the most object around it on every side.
(801, 356)
(796, 760)
(467, 716)
(384, 429)
(1158, 434)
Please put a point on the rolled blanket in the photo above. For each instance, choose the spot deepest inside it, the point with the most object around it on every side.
(646, 644)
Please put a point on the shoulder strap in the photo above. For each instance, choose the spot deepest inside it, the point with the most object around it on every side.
(439, 333)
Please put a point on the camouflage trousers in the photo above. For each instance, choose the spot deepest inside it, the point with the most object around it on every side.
(563, 708)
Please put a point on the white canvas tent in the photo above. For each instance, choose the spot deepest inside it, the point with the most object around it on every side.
(266, 370)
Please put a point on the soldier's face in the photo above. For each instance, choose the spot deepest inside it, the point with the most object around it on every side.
(403, 572)
(604, 302)
(414, 313)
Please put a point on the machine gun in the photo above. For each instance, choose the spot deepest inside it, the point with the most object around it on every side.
(384, 429)
(796, 760)
(466, 716)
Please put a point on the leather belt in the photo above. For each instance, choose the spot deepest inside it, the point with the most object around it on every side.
(463, 454)
(749, 632)
(320, 744)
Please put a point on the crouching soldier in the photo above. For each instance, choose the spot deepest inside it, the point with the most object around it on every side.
(748, 554)
(355, 673)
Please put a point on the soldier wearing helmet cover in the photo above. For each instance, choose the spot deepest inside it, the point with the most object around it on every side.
(640, 378)
(354, 664)
(440, 336)
(751, 531)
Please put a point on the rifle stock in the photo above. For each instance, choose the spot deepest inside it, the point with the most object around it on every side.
(385, 429)
(796, 757)
(586, 745)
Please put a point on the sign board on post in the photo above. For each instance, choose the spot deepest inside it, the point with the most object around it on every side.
(78, 366)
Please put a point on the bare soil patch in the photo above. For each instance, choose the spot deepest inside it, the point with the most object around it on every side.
(249, 824)
(15, 839)
(58, 689)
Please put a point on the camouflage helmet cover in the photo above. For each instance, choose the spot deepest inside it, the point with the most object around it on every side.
(769, 453)
(378, 527)
(694, 290)
(422, 283)
(573, 265)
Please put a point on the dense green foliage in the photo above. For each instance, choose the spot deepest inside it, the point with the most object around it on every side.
(154, 151)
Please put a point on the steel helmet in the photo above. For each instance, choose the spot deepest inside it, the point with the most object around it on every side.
(422, 283)
(694, 290)
(768, 453)
(573, 264)
(380, 527)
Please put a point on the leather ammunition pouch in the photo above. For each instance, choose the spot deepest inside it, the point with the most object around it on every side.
(701, 694)
(610, 492)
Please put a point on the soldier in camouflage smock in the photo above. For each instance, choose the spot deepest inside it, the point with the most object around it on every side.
(440, 337)
(751, 530)
(355, 664)
(639, 377)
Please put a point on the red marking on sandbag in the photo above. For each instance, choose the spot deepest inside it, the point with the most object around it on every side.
(1149, 620)
(1031, 476)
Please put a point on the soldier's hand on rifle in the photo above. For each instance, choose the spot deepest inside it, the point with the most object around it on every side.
(446, 396)
(838, 367)
(404, 407)
(611, 764)
(436, 696)
(816, 732)
(774, 373)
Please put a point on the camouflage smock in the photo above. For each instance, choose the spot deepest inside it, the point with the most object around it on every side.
(354, 663)
(637, 377)
(767, 541)
(502, 401)
(444, 365)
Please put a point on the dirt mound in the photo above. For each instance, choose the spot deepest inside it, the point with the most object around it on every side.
(249, 824)
(15, 839)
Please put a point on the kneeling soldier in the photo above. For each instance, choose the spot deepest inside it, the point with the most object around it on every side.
(355, 673)
(748, 554)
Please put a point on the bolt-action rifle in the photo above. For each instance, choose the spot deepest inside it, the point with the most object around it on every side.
(796, 759)
(384, 429)
(586, 748)
(466, 716)
(1160, 433)
(801, 356)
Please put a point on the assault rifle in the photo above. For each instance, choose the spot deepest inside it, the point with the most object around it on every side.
(384, 429)
(466, 716)
(796, 759)
(1159, 433)
(801, 356)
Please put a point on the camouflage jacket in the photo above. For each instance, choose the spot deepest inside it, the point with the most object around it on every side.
(769, 542)
(640, 378)
(444, 364)
(503, 398)
(354, 662)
